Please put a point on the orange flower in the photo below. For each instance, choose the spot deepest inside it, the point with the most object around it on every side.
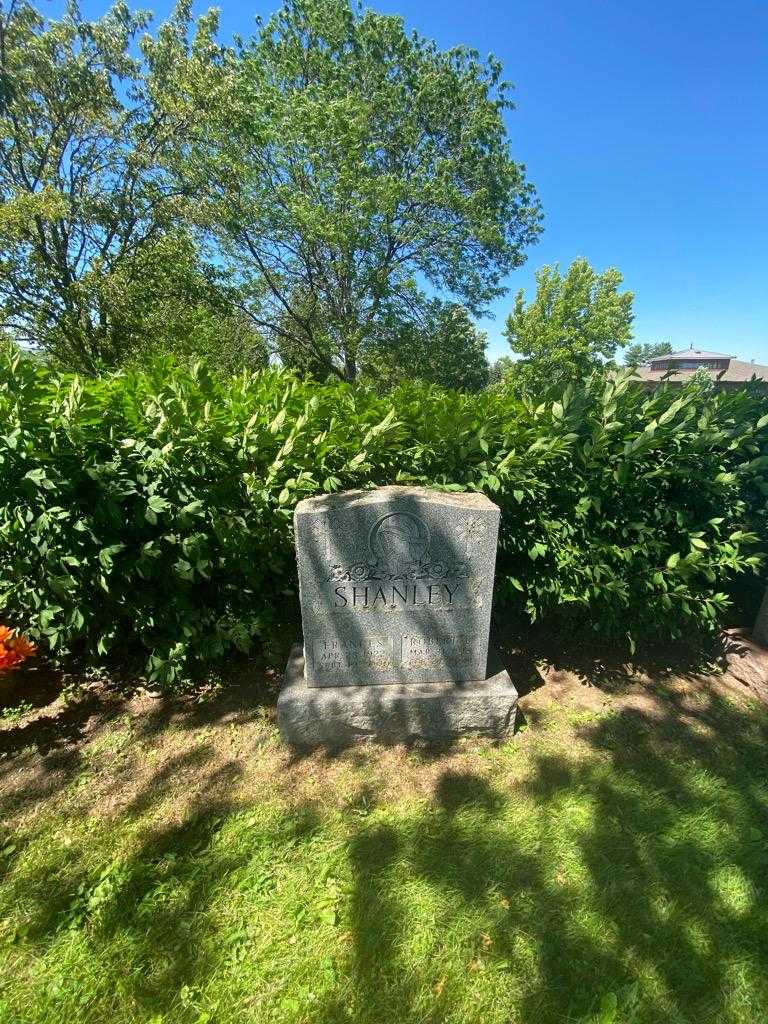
(8, 659)
(13, 649)
(22, 647)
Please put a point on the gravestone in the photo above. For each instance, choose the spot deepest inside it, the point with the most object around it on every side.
(395, 587)
(760, 632)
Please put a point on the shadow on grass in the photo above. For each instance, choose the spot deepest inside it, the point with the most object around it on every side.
(146, 917)
(51, 744)
(609, 667)
(635, 877)
(630, 873)
(247, 688)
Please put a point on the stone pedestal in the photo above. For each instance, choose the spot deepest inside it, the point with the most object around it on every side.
(760, 632)
(337, 716)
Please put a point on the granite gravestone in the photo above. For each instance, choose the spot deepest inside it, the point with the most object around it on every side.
(760, 632)
(395, 587)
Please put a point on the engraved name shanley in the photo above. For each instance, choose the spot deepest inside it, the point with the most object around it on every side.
(402, 595)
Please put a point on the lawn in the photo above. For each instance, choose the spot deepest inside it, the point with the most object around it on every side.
(172, 862)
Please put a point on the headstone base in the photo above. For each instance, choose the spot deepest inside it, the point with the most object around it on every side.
(310, 716)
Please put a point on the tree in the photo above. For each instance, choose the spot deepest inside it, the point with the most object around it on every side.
(343, 163)
(166, 300)
(641, 353)
(309, 349)
(76, 196)
(499, 369)
(575, 322)
(444, 348)
(96, 260)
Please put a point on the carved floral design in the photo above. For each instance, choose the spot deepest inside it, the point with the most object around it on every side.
(375, 573)
(399, 549)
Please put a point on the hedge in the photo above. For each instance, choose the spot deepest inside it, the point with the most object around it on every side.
(150, 512)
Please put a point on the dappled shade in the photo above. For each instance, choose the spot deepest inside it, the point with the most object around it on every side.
(613, 854)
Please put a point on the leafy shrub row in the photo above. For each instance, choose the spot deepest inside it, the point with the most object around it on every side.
(152, 511)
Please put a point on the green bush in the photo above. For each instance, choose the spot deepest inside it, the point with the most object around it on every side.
(152, 511)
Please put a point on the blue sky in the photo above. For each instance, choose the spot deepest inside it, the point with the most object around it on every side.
(644, 126)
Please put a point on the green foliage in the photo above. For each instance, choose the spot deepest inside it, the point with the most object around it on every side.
(641, 353)
(166, 300)
(297, 189)
(443, 348)
(16, 712)
(574, 323)
(152, 510)
(339, 161)
(438, 345)
(97, 262)
(499, 369)
(75, 191)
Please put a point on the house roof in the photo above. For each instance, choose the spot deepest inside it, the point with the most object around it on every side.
(694, 353)
(737, 372)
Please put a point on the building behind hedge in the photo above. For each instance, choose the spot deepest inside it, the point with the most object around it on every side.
(678, 367)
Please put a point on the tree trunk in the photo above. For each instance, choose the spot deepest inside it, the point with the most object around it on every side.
(350, 367)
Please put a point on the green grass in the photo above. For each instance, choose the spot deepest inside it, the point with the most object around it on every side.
(602, 867)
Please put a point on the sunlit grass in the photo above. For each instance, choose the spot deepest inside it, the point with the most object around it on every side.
(606, 868)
